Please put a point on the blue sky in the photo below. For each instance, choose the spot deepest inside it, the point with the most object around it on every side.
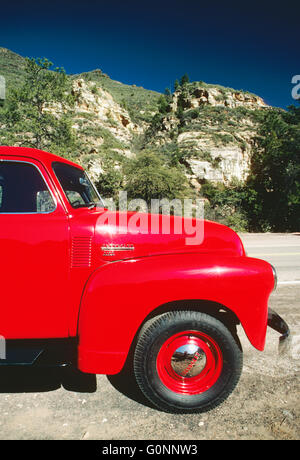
(245, 45)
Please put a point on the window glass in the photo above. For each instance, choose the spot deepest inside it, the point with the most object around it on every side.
(77, 186)
(22, 189)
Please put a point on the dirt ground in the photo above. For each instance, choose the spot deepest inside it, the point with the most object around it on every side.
(265, 404)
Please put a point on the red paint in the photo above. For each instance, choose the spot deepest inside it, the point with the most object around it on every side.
(133, 288)
(58, 279)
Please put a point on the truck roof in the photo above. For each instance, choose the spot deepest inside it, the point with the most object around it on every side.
(41, 155)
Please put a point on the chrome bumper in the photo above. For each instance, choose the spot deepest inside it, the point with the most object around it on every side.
(278, 324)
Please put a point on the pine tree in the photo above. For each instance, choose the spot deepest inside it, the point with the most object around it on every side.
(36, 114)
(184, 79)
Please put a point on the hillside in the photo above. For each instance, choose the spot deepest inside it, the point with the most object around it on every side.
(11, 67)
(209, 128)
(199, 140)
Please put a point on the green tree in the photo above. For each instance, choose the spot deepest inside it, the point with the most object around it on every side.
(36, 114)
(111, 179)
(168, 93)
(148, 177)
(184, 79)
(163, 104)
(226, 204)
(273, 201)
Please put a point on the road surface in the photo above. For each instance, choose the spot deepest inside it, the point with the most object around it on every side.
(280, 250)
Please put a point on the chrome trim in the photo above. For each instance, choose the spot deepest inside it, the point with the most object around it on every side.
(275, 277)
(117, 248)
(43, 178)
(279, 325)
(110, 249)
(188, 360)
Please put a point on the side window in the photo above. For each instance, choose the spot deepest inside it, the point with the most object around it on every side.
(23, 189)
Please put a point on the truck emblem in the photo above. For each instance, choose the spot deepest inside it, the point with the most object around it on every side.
(111, 248)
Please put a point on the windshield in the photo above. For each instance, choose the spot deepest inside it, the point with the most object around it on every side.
(77, 186)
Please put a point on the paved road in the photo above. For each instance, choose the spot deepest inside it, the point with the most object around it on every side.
(281, 250)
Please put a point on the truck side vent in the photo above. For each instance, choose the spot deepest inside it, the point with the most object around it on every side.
(81, 253)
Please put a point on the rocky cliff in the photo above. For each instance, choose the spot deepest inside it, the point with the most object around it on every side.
(209, 128)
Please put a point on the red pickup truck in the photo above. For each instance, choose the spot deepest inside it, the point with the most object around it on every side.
(78, 288)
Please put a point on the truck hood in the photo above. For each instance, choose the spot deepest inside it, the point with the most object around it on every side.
(123, 235)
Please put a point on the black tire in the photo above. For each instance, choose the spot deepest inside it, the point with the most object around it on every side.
(182, 380)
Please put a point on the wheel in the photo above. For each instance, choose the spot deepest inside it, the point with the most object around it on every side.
(186, 361)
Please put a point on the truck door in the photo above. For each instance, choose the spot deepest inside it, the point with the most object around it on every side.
(34, 251)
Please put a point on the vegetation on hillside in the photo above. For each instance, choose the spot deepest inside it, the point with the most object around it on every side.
(26, 116)
(268, 201)
(270, 198)
(139, 102)
(12, 67)
(273, 188)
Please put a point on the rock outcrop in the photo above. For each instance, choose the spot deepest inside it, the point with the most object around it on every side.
(211, 128)
(214, 130)
(101, 109)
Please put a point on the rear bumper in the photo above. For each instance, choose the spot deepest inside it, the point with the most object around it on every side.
(278, 324)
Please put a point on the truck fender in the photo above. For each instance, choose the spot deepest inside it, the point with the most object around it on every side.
(119, 296)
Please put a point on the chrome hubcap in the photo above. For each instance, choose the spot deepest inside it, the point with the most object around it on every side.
(188, 360)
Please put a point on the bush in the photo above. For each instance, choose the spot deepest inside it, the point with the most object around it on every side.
(226, 204)
(147, 177)
(111, 180)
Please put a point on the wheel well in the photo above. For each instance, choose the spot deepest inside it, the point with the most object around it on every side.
(218, 311)
(214, 309)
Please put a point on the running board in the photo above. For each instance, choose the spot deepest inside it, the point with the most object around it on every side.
(36, 352)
